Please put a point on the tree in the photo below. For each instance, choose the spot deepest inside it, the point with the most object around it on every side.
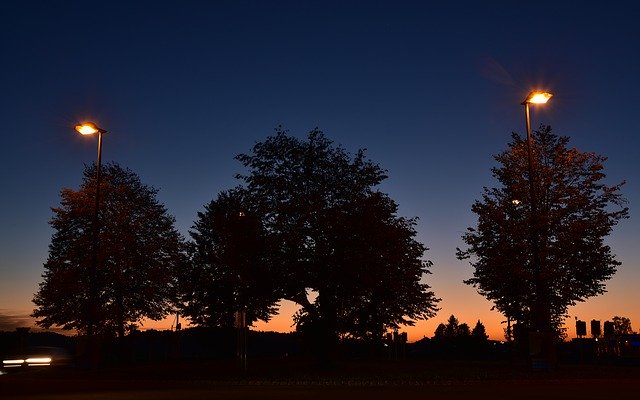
(440, 332)
(139, 254)
(479, 333)
(228, 271)
(576, 211)
(452, 327)
(333, 233)
(621, 326)
(452, 330)
(463, 330)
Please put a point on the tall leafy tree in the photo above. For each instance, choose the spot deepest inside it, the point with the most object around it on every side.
(228, 271)
(332, 232)
(140, 252)
(576, 212)
(380, 262)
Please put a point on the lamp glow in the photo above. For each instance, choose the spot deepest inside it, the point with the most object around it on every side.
(89, 128)
(538, 97)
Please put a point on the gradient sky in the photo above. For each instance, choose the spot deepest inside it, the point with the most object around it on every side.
(432, 90)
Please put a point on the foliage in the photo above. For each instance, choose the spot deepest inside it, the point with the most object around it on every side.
(456, 339)
(576, 211)
(333, 233)
(228, 271)
(139, 252)
(453, 329)
(621, 325)
(479, 332)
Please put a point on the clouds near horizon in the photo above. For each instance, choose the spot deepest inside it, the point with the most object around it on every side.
(10, 321)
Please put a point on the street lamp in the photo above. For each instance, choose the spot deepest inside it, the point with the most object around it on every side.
(89, 128)
(541, 314)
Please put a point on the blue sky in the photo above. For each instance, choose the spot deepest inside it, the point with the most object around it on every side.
(431, 89)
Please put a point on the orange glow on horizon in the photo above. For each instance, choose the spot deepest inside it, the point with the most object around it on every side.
(467, 307)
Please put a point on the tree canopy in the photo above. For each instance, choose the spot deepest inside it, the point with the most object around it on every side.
(453, 329)
(576, 211)
(139, 253)
(229, 270)
(456, 339)
(479, 332)
(331, 232)
(621, 325)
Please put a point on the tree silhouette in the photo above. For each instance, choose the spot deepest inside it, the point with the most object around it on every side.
(440, 332)
(621, 325)
(453, 329)
(456, 339)
(140, 252)
(479, 333)
(576, 211)
(229, 270)
(333, 233)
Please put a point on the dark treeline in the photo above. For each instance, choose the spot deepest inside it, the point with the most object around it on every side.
(219, 344)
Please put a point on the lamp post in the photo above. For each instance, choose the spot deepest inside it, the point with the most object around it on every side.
(241, 313)
(540, 342)
(89, 128)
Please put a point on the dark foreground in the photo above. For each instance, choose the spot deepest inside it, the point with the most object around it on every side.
(278, 379)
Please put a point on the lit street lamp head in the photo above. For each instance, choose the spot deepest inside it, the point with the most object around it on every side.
(89, 128)
(537, 97)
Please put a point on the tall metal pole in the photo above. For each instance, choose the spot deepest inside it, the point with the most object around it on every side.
(91, 320)
(538, 313)
(541, 347)
(89, 128)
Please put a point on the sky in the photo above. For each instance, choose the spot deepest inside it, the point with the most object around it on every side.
(432, 90)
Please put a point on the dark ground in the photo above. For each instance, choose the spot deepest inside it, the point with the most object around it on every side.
(296, 379)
